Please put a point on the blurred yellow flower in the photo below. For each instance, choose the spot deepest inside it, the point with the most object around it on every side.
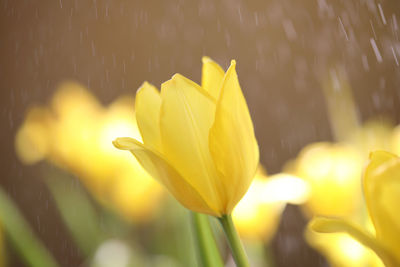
(334, 169)
(198, 140)
(343, 250)
(333, 172)
(257, 215)
(381, 183)
(76, 134)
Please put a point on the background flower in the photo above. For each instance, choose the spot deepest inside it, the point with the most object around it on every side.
(75, 133)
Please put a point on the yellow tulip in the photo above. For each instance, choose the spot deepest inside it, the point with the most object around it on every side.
(197, 140)
(381, 184)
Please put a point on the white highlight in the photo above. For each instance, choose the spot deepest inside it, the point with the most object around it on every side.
(112, 253)
(285, 188)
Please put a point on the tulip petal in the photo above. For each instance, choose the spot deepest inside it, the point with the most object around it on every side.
(382, 194)
(232, 142)
(187, 112)
(147, 105)
(331, 225)
(158, 167)
(211, 77)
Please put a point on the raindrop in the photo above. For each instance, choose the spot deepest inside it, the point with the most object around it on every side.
(343, 29)
(93, 49)
(395, 56)
(395, 25)
(376, 50)
(289, 29)
(240, 15)
(364, 60)
(373, 29)
(256, 18)
(382, 15)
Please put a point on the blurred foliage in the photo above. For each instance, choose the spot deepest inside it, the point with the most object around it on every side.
(77, 212)
(3, 252)
(33, 252)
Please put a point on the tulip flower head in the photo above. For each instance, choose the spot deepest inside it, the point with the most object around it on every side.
(382, 196)
(198, 141)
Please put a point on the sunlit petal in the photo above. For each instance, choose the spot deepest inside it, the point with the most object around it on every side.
(328, 225)
(342, 249)
(187, 113)
(211, 77)
(382, 194)
(147, 105)
(160, 169)
(232, 142)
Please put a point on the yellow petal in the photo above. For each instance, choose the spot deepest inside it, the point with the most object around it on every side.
(147, 105)
(330, 225)
(211, 77)
(187, 112)
(158, 167)
(343, 250)
(232, 143)
(382, 194)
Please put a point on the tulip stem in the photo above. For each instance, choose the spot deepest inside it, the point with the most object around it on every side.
(239, 255)
(207, 248)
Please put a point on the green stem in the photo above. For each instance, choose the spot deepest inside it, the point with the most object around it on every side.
(239, 255)
(208, 250)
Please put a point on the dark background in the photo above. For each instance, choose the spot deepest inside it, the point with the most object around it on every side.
(284, 50)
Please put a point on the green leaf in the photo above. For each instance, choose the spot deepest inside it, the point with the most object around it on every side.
(31, 249)
(77, 212)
